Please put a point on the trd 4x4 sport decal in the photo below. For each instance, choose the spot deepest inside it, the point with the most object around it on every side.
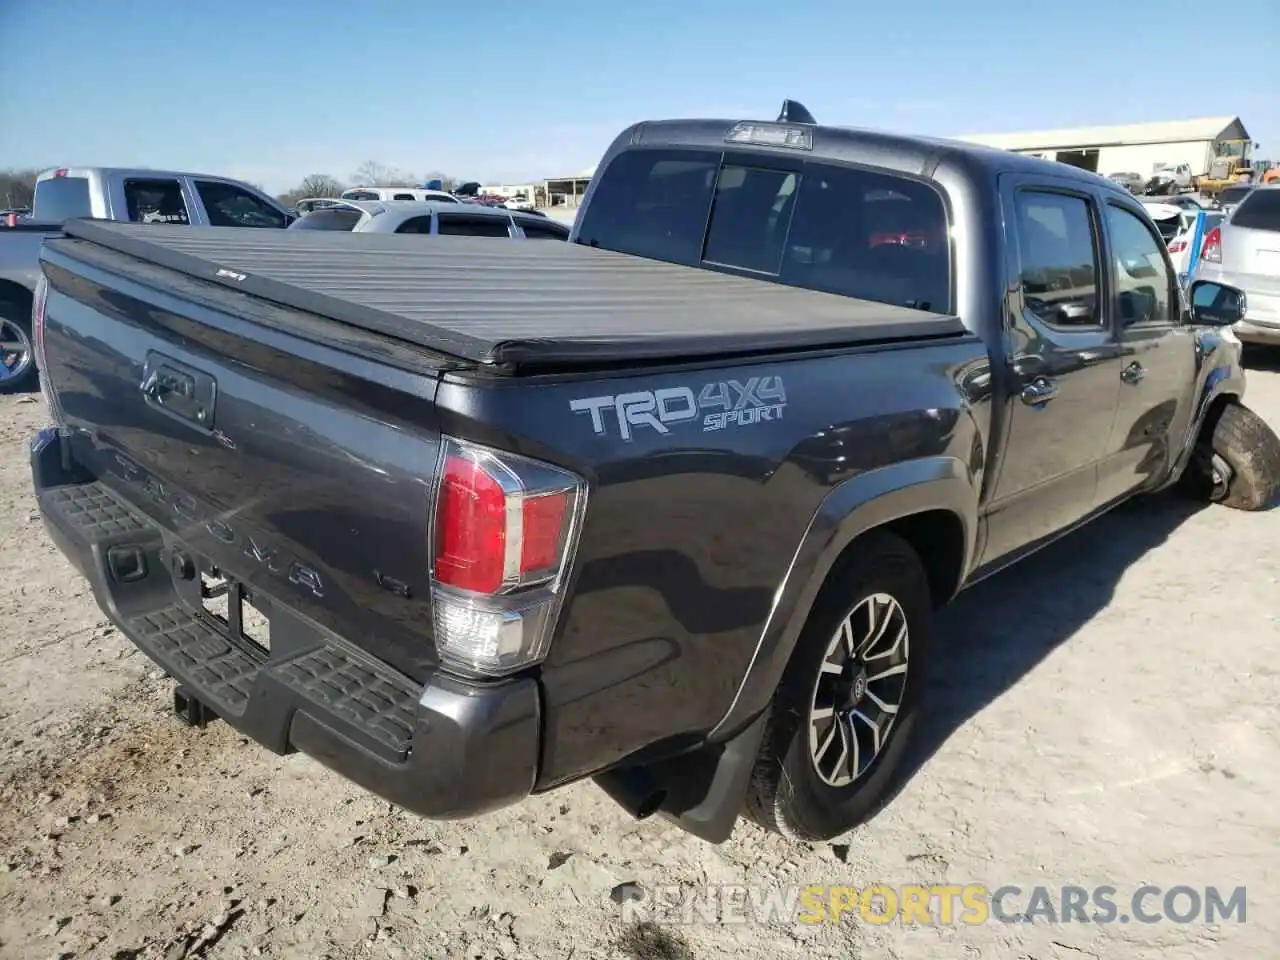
(719, 405)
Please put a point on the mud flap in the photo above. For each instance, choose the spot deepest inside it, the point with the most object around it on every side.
(705, 789)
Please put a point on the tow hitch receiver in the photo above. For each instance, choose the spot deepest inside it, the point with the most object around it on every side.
(191, 711)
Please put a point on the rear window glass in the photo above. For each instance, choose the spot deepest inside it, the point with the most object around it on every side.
(462, 226)
(360, 195)
(1259, 211)
(404, 196)
(1169, 227)
(328, 220)
(1233, 195)
(857, 233)
(61, 198)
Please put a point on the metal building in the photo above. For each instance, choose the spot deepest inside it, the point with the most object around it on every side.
(1137, 147)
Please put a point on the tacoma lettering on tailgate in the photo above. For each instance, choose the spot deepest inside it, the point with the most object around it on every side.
(186, 508)
(717, 405)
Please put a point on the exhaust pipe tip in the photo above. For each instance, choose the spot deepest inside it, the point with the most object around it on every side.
(634, 789)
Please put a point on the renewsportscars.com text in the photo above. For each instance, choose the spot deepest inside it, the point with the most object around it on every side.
(938, 904)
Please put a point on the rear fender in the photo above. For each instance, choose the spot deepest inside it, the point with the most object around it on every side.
(863, 503)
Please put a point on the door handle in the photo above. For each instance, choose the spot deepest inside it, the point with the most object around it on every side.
(1038, 391)
(1133, 373)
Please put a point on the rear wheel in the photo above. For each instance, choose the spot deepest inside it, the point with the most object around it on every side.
(1237, 461)
(17, 358)
(845, 708)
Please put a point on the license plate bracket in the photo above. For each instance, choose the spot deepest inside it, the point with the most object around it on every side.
(231, 603)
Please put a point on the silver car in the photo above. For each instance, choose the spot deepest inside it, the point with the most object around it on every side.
(426, 217)
(1244, 252)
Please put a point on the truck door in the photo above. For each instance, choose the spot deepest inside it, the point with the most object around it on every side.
(1157, 356)
(1062, 363)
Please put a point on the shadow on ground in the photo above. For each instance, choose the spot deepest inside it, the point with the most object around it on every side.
(997, 632)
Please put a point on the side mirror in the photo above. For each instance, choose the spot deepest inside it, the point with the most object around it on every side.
(1215, 304)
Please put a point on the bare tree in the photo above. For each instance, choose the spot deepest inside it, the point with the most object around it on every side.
(315, 185)
(374, 174)
(321, 185)
(17, 188)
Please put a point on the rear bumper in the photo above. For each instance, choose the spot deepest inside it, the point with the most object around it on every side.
(1252, 332)
(445, 750)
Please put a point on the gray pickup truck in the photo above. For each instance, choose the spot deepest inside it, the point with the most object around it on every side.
(670, 505)
(141, 196)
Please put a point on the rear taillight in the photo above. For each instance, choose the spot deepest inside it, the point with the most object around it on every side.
(504, 531)
(1177, 246)
(1211, 249)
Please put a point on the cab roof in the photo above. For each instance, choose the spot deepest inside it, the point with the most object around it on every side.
(904, 153)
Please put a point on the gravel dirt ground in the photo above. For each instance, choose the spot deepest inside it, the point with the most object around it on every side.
(1105, 714)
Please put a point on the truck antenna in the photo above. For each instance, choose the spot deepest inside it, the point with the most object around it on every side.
(793, 111)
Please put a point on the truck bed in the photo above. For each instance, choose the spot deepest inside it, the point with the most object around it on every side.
(516, 304)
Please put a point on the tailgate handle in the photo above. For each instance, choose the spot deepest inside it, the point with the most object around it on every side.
(178, 390)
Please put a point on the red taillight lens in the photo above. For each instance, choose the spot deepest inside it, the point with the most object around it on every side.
(1211, 249)
(505, 529)
(471, 528)
(1177, 246)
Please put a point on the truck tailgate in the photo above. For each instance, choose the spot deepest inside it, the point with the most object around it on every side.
(295, 471)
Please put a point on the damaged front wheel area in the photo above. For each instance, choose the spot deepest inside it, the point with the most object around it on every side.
(1236, 461)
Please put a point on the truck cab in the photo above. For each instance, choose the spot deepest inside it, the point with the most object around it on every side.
(154, 196)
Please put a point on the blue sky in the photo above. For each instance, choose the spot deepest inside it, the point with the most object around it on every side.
(505, 91)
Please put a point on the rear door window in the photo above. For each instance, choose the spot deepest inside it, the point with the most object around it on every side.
(544, 231)
(228, 205)
(156, 200)
(854, 232)
(61, 198)
(415, 225)
(360, 195)
(404, 196)
(328, 220)
(1259, 211)
(461, 225)
(1058, 247)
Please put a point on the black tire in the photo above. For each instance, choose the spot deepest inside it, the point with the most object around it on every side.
(1252, 452)
(787, 794)
(16, 321)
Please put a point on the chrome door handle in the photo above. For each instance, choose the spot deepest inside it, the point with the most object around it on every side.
(1133, 373)
(1038, 391)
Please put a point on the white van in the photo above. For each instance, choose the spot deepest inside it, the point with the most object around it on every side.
(398, 193)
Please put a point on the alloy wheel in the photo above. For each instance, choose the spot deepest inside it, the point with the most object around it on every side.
(15, 350)
(859, 690)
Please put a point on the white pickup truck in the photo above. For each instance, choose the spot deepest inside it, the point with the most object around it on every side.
(108, 193)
